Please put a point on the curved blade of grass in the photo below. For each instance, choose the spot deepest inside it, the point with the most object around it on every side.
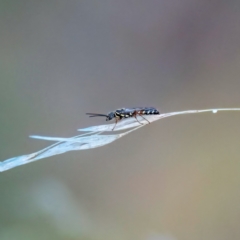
(93, 138)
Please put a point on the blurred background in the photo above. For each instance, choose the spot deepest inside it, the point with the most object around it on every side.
(176, 179)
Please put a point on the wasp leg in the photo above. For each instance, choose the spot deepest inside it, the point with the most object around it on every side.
(138, 121)
(135, 115)
(144, 118)
(116, 120)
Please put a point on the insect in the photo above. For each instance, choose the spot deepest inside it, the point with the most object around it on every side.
(127, 113)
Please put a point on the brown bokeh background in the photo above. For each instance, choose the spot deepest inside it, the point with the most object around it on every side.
(176, 179)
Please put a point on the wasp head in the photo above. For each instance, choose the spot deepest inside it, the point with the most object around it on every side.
(110, 116)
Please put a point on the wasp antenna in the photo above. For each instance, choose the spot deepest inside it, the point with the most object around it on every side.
(96, 115)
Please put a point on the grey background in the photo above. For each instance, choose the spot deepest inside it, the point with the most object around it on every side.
(177, 178)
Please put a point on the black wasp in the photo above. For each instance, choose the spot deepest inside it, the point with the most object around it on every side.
(126, 113)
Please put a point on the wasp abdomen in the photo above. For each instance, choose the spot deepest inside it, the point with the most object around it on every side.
(148, 111)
